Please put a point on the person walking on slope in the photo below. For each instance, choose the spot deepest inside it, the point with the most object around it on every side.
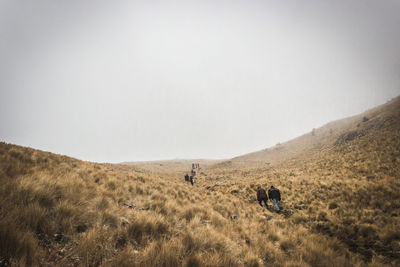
(262, 196)
(186, 177)
(191, 179)
(275, 195)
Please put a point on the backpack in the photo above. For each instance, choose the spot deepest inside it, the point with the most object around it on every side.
(261, 194)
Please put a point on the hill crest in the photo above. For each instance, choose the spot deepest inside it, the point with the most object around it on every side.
(327, 136)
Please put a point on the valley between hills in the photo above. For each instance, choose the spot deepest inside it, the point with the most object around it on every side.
(340, 204)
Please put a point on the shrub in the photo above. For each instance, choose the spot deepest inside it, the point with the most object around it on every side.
(273, 237)
(102, 204)
(287, 245)
(112, 186)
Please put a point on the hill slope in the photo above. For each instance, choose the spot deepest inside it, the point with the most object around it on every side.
(340, 205)
(370, 122)
(59, 211)
(342, 182)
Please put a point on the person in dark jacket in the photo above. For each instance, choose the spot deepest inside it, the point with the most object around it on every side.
(262, 196)
(274, 195)
(187, 177)
(191, 179)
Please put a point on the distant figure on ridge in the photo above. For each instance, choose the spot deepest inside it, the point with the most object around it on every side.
(186, 177)
(262, 196)
(275, 195)
(191, 179)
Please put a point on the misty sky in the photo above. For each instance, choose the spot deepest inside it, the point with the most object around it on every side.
(114, 81)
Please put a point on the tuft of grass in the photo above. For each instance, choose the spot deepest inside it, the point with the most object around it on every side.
(18, 246)
(147, 227)
(287, 245)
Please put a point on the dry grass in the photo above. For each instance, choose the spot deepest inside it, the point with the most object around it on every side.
(340, 207)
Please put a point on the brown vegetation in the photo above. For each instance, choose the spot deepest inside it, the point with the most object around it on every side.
(340, 205)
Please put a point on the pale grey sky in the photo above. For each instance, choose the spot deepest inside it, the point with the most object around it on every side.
(114, 81)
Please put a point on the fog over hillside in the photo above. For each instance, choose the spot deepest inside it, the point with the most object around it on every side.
(147, 80)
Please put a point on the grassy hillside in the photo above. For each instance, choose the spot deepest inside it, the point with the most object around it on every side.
(342, 181)
(340, 200)
(60, 211)
(321, 139)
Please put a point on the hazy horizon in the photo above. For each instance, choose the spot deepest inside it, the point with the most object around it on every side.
(210, 158)
(141, 81)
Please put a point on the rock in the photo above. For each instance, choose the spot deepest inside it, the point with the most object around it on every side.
(300, 207)
(76, 259)
(58, 237)
(4, 262)
(234, 216)
(251, 200)
(129, 205)
(208, 187)
(349, 136)
(235, 191)
(287, 213)
(206, 222)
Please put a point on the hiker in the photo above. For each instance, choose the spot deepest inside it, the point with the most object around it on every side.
(186, 177)
(262, 196)
(191, 179)
(275, 195)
